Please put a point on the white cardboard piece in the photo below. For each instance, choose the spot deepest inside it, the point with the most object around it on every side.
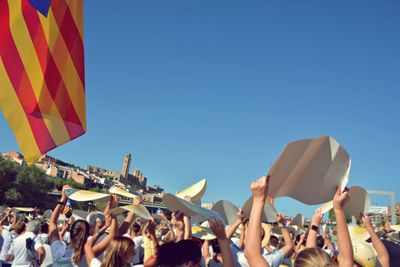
(23, 209)
(277, 230)
(195, 191)
(138, 210)
(174, 204)
(227, 210)
(84, 195)
(310, 170)
(203, 233)
(269, 214)
(326, 207)
(358, 202)
(298, 220)
(395, 227)
(358, 233)
(121, 192)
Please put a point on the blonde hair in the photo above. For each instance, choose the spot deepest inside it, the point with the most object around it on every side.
(117, 250)
(313, 257)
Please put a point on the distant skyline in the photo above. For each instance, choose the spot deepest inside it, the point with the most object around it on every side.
(216, 89)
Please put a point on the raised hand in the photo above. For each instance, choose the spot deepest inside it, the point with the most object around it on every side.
(177, 221)
(340, 198)
(114, 201)
(367, 222)
(218, 228)
(316, 219)
(240, 216)
(259, 188)
(151, 227)
(63, 195)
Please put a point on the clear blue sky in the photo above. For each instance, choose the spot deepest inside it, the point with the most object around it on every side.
(216, 89)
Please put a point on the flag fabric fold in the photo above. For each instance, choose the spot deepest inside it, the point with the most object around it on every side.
(42, 78)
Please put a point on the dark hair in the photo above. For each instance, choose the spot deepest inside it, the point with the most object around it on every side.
(175, 254)
(79, 235)
(320, 242)
(135, 227)
(166, 254)
(189, 250)
(18, 227)
(273, 241)
(44, 227)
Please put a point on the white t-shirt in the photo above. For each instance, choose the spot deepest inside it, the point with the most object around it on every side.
(274, 259)
(44, 237)
(23, 256)
(8, 240)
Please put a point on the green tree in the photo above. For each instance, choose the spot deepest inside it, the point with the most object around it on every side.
(8, 173)
(12, 197)
(33, 186)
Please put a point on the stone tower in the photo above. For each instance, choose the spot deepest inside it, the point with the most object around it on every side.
(126, 165)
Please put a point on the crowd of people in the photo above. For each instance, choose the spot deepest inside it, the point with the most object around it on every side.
(103, 240)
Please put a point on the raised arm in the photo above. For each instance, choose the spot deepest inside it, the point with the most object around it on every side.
(188, 227)
(232, 228)
(242, 235)
(111, 221)
(179, 226)
(124, 227)
(205, 250)
(219, 230)
(151, 230)
(53, 231)
(383, 255)
(252, 249)
(313, 231)
(344, 242)
(300, 243)
(287, 248)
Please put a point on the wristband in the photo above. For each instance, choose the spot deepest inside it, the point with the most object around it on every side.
(315, 228)
(61, 203)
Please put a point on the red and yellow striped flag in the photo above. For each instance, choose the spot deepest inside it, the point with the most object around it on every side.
(42, 77)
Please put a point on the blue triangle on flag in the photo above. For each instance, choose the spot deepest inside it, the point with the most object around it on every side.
(41, 5)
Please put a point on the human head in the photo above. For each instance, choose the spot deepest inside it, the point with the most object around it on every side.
(79, 234)
(18, 228)
(320, 242)
(185, 253)
(273, 241)
(313, 257)
(189, 253)
(120, 252)
(44, 228)
(33, 226)
(135, 227)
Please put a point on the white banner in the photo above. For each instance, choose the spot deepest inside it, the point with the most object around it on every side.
(378, 209)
